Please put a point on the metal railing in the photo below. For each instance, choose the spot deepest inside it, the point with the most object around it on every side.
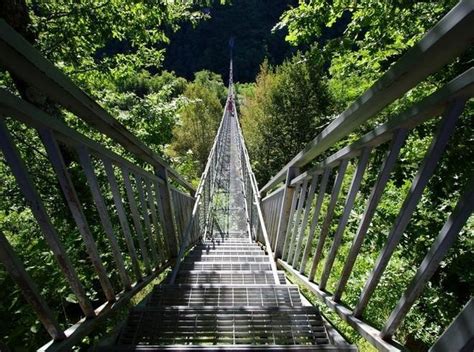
(301, 234)
(255, 221)
(202, 221)
(150, 211)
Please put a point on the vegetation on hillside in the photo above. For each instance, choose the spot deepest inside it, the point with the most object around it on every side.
(199, 120)
(249, 22)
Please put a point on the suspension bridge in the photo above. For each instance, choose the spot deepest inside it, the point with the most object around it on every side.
(228, 248)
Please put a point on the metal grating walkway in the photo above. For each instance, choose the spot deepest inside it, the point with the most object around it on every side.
(227, 293)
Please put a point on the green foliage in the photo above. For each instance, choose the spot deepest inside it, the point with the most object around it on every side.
(115, 35)
(199, 119)
(287, 107)
(109, 49)
(374, 35)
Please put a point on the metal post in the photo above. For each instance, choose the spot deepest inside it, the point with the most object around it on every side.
(169, 226)
(285, 212)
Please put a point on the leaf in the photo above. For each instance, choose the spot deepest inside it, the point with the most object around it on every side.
(71, 298)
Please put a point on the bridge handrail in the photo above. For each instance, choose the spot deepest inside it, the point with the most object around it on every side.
(24, 61)
(151, 212)
(202, 200)
(445, 41)
(256, 227)
(299, 215)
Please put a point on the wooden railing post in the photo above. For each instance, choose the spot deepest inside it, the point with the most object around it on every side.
(169, 226)
(285, 211)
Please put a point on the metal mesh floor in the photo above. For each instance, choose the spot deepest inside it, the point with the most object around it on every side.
(225, 296)
(206, 266)
(228, 277)
(225, 326)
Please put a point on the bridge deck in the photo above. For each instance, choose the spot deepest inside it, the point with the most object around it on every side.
(224, 295)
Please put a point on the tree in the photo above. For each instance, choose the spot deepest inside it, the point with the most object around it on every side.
(289, 105)
(199, 119)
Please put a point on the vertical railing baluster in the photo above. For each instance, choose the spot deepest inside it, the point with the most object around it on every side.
(353, 190)
(72, 200)
(88, 169)
(309, 202)
(114, 188)
(154, 220)
(135, 217)
(272, 209)
(422, 177)
(28, 288)
(284, 211)
(290, 221)
(146, 218)
(277, 219)
(32, 197)
(315, 219)
(329, 214)
(161, 216)
(168, 224)
(438, 250)
(180, 209)
(370, 208)
(296, 226)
